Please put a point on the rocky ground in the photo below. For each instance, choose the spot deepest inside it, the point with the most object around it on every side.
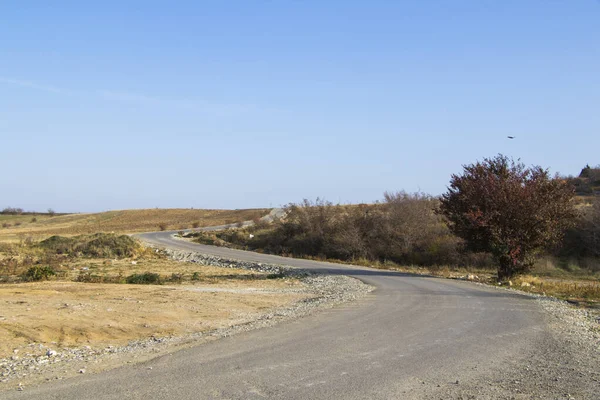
(37, 362)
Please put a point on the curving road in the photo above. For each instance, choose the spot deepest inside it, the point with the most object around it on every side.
(413, 337)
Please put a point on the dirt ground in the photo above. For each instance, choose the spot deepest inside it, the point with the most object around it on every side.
(72, 314)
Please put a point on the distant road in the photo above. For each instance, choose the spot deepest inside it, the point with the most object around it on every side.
(413, 337)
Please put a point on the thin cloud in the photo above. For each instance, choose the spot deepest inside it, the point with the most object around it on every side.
(129, 97)
(36, 86)
(145, 100)
(195, 106)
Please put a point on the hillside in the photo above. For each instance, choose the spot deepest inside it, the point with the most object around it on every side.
(588, 181)
(17, 227)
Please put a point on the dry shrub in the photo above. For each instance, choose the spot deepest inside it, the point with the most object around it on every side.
(402, 229)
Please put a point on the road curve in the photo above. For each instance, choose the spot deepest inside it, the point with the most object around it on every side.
(410, 337)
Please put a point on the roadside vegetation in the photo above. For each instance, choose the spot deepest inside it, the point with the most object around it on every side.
(107, 289)
(528, 231)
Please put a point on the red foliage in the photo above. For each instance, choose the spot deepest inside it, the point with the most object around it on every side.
(513, 212)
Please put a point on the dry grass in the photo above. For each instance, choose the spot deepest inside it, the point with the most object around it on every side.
(126, 221)
(85, 300)
(64, 313)
(586, 292)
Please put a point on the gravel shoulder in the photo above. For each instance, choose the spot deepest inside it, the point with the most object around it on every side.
(39, 363)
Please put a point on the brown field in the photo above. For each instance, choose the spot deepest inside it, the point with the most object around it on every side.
(126, 221)
(63, 313)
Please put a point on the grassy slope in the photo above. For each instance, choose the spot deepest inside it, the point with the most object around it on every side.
(125, 221)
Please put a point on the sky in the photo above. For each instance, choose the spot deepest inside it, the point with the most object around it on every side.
(258, 103)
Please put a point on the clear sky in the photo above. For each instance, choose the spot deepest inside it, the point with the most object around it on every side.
(234, 104)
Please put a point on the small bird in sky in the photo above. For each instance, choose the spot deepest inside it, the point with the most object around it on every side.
(510, 137)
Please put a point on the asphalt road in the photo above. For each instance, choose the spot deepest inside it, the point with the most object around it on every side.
(407, 339)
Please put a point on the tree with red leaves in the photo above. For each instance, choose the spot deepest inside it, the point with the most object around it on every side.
(513, 212)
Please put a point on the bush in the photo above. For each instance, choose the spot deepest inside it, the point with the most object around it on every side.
(511, 211)
(196, 224)
(88, 277)
(34, 219)
(147, 278)
(12, 211)
(39, 273)
(582, 242)
(6, 225)
(98, 245)
(109, 246)
(58, 244)
(402, 229)
(162, 226)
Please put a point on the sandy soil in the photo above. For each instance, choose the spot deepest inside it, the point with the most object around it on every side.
(66, 314)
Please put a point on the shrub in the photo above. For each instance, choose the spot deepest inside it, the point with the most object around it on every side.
(18, 223)
(6, 225)
(12, 211)
(105, 245)
(195, 276)
(34, 219)
(58, 244)
(162, 226)
(39, 273)
(196, 224)
(109, 245)
(88, 277)
(402, 229)
(511, 211)
(147, 278)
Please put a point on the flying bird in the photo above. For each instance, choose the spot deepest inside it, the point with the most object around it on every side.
(510, 137)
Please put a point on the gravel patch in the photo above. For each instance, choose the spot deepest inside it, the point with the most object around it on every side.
(38, 362)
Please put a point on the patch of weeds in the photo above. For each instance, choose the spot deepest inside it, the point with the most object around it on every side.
(147, 278)
(196, 276)
(58, 244)
(88, 277)
(176, 277)
(109, 245)
(38, 273)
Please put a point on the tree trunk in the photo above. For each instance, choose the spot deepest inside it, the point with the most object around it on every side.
(505, 268)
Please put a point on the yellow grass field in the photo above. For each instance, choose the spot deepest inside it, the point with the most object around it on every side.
(63, 313)
(126, 221)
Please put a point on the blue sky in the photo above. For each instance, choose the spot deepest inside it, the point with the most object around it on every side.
(235, 104)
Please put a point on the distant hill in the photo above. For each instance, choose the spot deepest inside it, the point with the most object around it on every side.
(14, 226)
(588, 181)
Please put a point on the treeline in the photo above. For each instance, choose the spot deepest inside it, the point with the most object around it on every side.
(20, 211)
(403, 228)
